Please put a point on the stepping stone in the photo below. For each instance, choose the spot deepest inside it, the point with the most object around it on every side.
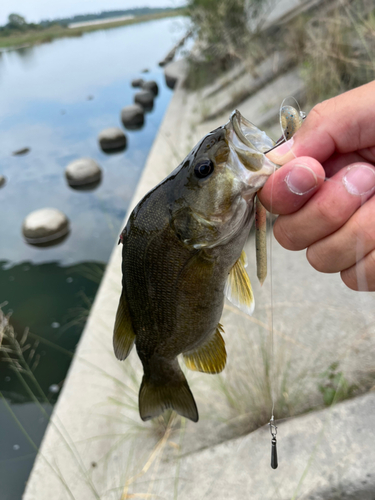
(145, 98)
(133, 116)
(47, 225)
(137, 82)
(82, 172)
(152, 86)
(174, 72)
(112, 139)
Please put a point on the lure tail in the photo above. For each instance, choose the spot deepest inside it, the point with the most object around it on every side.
(168, 390)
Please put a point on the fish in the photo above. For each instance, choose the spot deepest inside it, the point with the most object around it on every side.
(182, 254)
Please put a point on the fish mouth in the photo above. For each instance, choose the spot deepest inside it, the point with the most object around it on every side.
(237, 120)
(248, 145)
(248, 134)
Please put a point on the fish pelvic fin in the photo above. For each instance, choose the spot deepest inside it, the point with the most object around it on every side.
(123, 334)
(238, 287)
(210, 357)
(155, 398)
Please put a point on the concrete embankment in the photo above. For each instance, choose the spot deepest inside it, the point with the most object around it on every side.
(97, 447)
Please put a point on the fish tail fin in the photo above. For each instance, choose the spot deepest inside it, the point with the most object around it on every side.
(175, 394)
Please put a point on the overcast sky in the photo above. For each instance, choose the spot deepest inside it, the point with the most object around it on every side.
(35, 10)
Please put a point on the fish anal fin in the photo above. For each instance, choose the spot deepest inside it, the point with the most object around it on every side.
(154, 399)
(123, 334)
(238, 287)
(210, 357)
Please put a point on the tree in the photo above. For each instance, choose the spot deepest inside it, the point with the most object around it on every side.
(16, 20)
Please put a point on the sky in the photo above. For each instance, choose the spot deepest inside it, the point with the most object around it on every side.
(36, 10)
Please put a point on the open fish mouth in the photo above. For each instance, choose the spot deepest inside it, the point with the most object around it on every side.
(238, 121)
(248, 134)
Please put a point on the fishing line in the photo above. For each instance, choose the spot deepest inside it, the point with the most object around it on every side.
(360, 254)
(273, 427)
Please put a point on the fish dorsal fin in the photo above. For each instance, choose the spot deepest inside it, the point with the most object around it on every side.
(209, 357)
(238, 287)
(123, 334)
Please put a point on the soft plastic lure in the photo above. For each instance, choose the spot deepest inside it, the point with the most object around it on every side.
(291, 120)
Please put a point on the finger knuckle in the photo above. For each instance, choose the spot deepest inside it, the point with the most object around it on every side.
(285, 235)
(330, 214)
(317, 260)
(364, 230)
(349, 278)
(362, 275)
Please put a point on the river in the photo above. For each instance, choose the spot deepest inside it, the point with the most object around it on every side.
(55, 99)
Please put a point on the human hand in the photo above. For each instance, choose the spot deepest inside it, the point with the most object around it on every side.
(324, 191)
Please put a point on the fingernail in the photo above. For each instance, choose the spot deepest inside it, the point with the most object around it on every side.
(301, 179)
(282, 153)
(359, 180)
(284, 148)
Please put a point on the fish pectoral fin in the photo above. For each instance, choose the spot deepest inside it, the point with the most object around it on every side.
(155, 399)
(123, 334)
(209, 357)
(238, 287)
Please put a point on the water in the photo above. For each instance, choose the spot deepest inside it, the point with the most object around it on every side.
(55, 99)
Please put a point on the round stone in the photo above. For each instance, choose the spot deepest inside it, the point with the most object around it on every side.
(133, 116)
(112, 138)
(83, 171)
(137, 82)
(174, 72)
(145, 98)
(2, 180)
(44, 226)
(152, 86)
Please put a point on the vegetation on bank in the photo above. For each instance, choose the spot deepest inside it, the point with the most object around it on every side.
(22, 33)
(333, 43)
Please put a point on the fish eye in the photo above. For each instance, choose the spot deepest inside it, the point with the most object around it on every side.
(203, 169)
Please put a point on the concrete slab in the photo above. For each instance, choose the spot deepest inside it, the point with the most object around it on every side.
(237, 86)
(96, 446)
(324, 455)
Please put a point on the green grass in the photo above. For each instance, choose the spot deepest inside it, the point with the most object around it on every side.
(33, 37)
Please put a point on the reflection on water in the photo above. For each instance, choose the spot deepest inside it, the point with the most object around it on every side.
(55, 99)
(50, 304)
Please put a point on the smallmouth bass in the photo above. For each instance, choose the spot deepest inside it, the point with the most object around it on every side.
(182, 254)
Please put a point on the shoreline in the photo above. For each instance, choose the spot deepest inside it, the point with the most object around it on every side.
(15, 42)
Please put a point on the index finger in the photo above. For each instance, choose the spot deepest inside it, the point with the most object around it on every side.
(343, 124)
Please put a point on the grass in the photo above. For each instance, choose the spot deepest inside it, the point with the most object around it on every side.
(228, 32)
(47, 35)
(333, 45)
(336, 50)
